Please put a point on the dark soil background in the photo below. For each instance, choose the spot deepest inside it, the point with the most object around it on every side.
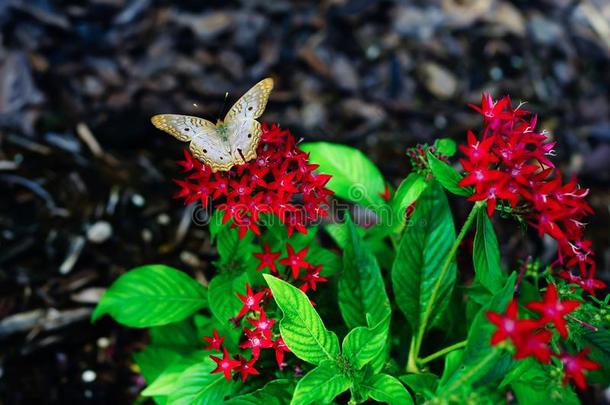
(85, 180)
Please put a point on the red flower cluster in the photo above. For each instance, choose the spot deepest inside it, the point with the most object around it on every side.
(509, 165)
(259, 333)
(532, 338)
(272, 183)
(260, 337)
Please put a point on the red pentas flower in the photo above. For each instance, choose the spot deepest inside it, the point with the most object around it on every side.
(246, 367)
(296, 260)
(508, 326)
(251, 301)
(267, 259)
(530, 338)
(255, 341)
(214, 342)
(279, 181)
(534, 344)
(553, 310)
(225, 365)
(509, 166)
(574, 366)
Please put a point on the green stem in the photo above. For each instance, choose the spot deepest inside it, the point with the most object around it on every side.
(443, 352)
(491, 356)
(419, 336)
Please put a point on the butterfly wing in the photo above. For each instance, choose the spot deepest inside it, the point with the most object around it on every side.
(244, 132)
(205, 142)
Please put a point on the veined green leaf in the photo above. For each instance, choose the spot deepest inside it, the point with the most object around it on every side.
(165, 383)
(361, 287)
(364, 344)
(416, 273)
(301, 327)
(224, 303)
(447, 176)
(331, 261)
(276, 392)
(339, 233)
(321, 385)
(150, 296)
(479, 357)
(182, 336)
(486, 254)
(387, 389)
(355, 177)
(232, 249)
(196, 385)
(407, 193)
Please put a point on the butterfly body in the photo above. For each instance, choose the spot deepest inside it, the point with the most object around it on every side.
(232, 140)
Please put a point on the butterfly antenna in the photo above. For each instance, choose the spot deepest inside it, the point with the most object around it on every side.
(224, 105)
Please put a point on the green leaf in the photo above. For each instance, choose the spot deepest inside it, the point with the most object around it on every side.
(339, 233)
(452, 363)
(276, 392)
(153, 360)
(408, 192)
(224, 303)
(301, 327)
(196, 385)
(479, 357)
(445, 146)
(361, 287)
(363, 344)
(232, 250)
(422, 384)
(532, 384)
(151, 295)
(331, 261)
(486, 254)
(447, 176)
(416, 274)
(387, 389)
(165, 383)
(182, 336)
(320, 385)
(355, 177)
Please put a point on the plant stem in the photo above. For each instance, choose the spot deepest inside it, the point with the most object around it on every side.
(583, 323)
(419, 335)
(443, 352)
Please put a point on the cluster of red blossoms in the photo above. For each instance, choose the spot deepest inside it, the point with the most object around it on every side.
(258, 332)
(531, 338)
(509, 166)
(280, 181)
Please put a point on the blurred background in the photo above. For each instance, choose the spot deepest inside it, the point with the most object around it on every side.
(86, 181)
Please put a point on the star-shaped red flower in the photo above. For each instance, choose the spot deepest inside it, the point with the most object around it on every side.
(267, 259)
(262, 324)
(553, 310)
(508, 326)
(214, 342)
(295, 260)
(280, 348)
(246, 367)
(534, 344)
(225, 365)
(251, 301)
(256, 341)
(573, 367)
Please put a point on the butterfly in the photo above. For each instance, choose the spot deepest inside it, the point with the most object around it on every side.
(230, 141)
